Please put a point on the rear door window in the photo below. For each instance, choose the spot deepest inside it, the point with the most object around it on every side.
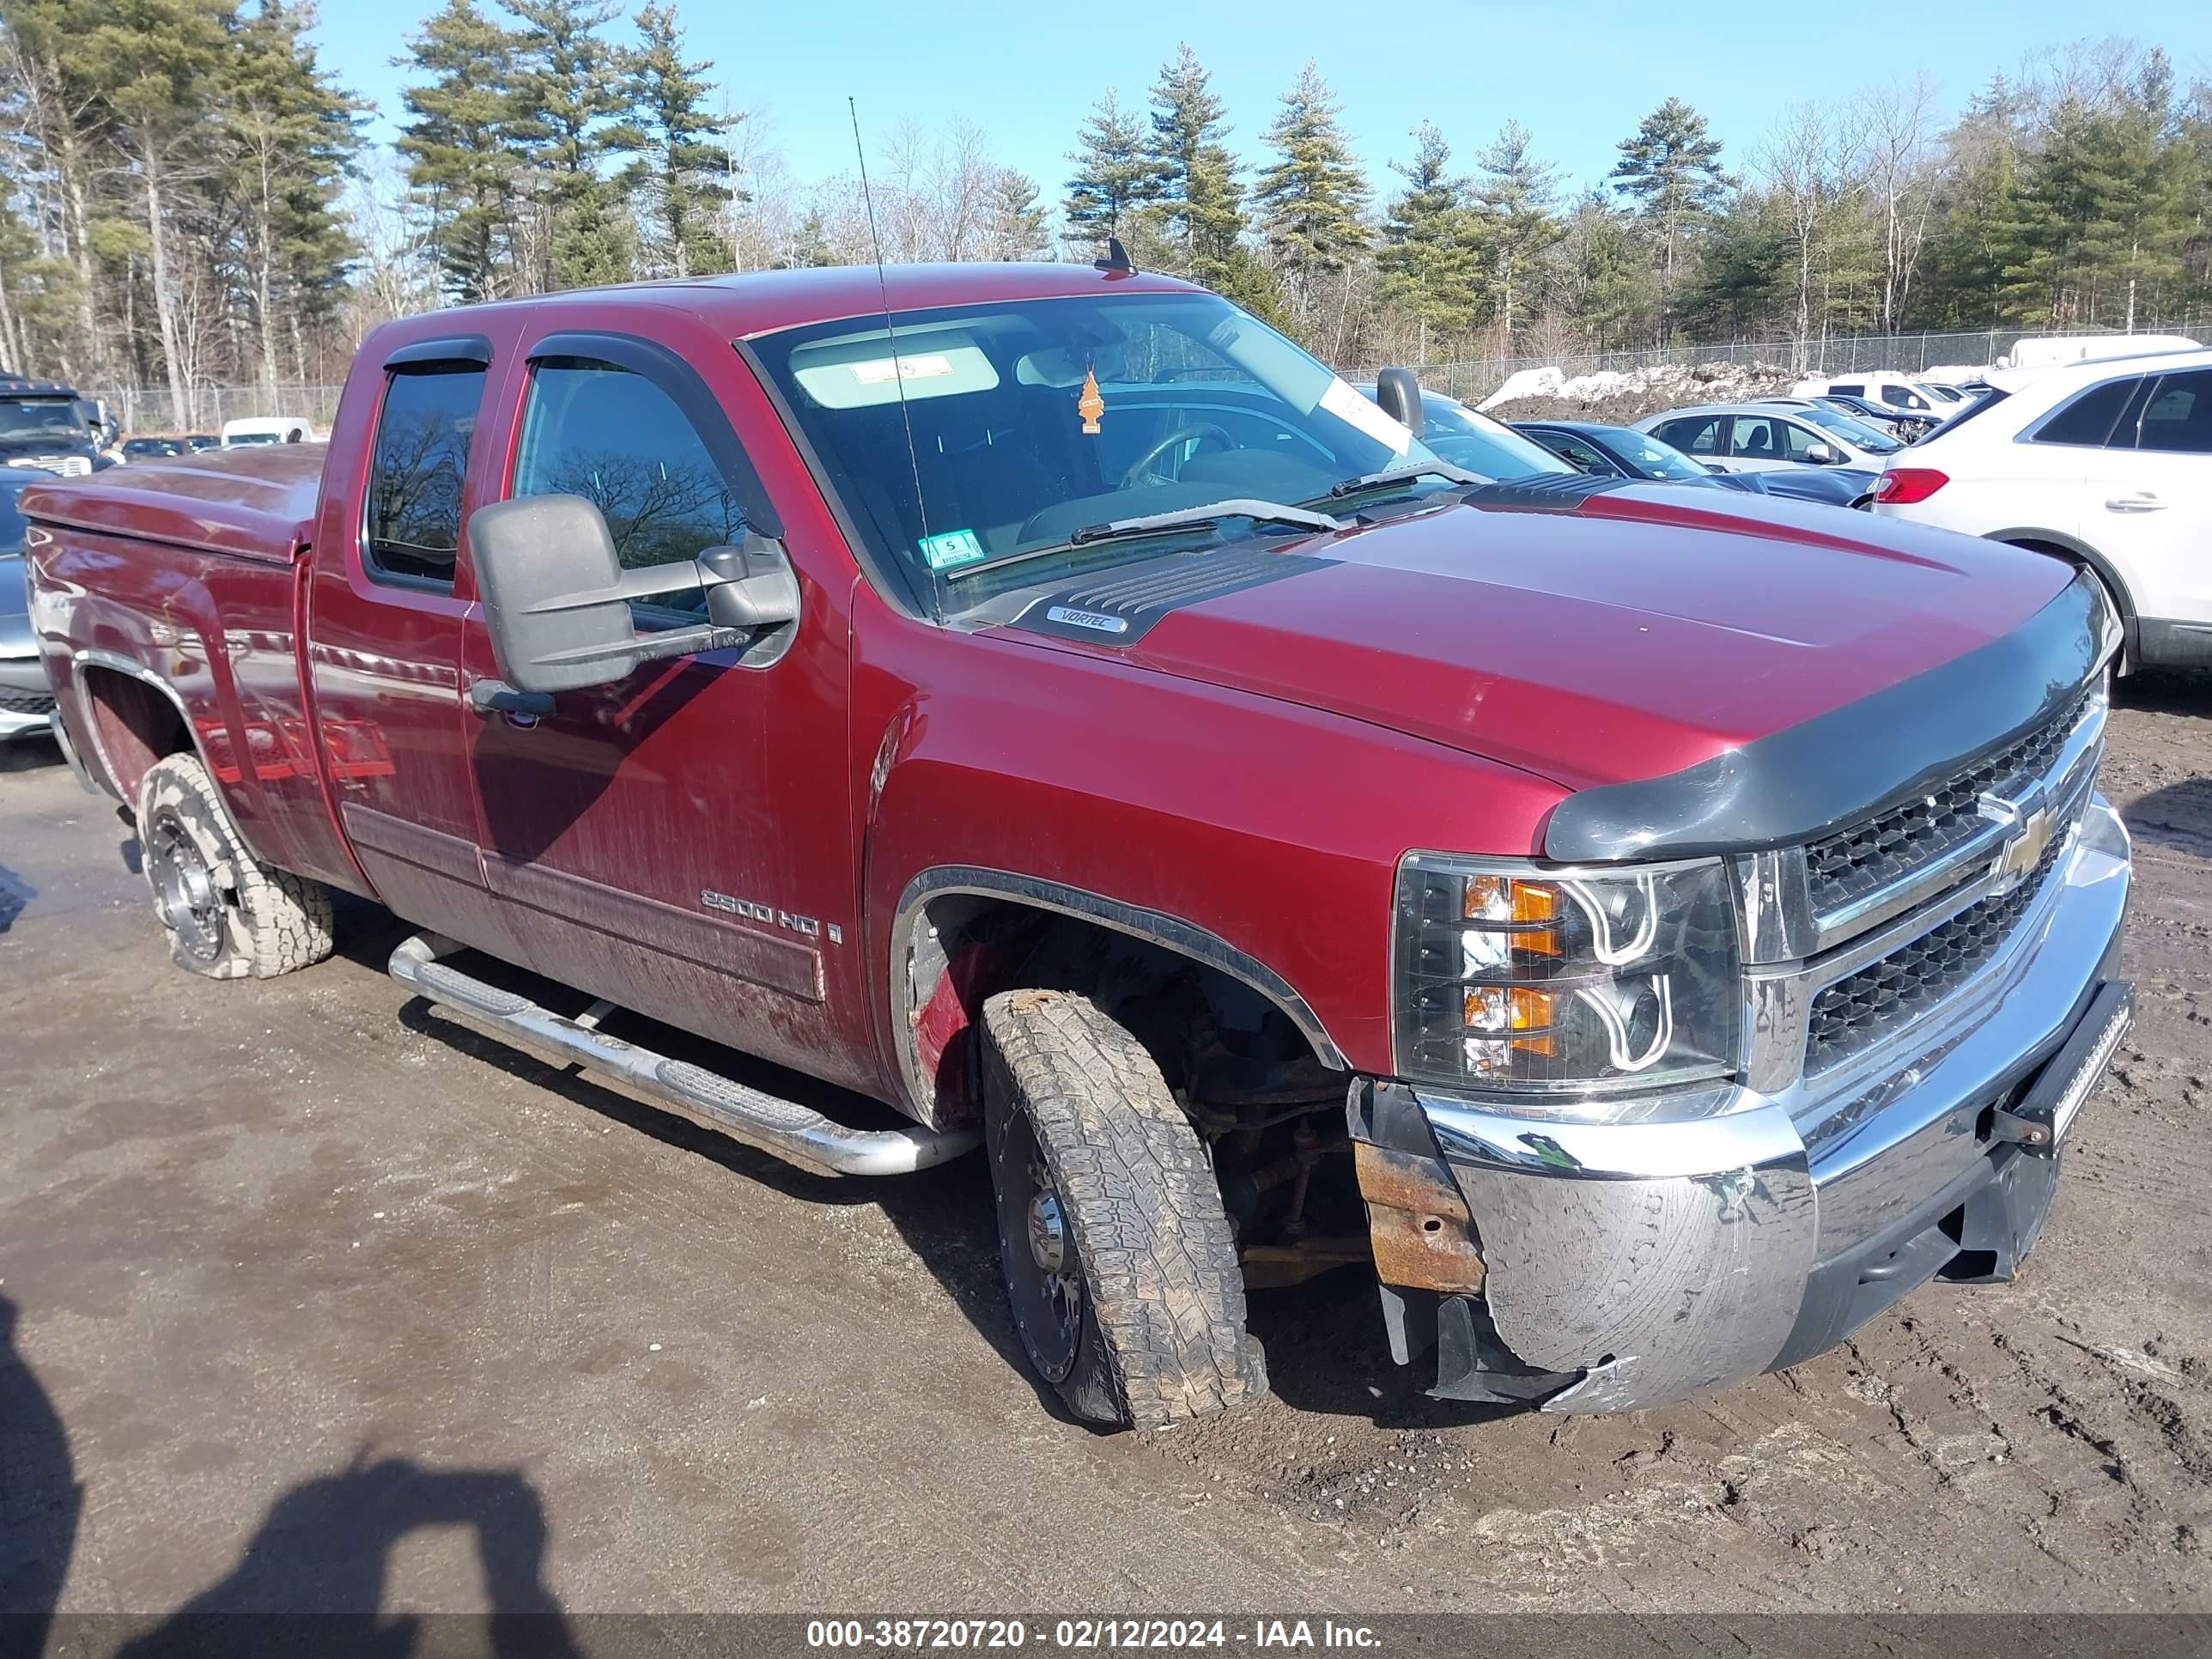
(2088, 419)
(418, 468)
(612, 436)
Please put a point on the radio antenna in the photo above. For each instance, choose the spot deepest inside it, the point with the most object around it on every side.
(890, 328)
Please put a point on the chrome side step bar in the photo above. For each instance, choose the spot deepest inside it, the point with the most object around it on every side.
(782, 1129)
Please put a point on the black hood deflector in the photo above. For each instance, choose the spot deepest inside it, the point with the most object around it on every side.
(1853, 761)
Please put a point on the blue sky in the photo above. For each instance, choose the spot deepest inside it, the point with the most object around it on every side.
(1579, 78)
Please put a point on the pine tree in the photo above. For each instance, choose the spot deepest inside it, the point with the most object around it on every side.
(456, 147)
(1427, 258)
(1309, 202)
(1609, 291)
(1194, 174)
(1014, 224)
(683, 178)
(1515, 196)
(288, 135)
(566, 91)
(1672, 167)
(161, 64)
(1114, 175)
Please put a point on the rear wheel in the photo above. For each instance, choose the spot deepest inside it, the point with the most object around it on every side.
(1119, 1267)
(228, 914)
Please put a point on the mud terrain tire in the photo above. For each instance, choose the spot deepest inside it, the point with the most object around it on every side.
(227, 914)
(1118, 1258)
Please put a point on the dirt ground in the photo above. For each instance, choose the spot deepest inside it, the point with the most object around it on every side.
(320, 1301)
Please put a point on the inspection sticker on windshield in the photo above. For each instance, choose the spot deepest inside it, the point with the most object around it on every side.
(1348, 406)
(953, 547)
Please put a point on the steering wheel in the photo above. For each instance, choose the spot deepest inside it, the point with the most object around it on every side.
(1182, 434)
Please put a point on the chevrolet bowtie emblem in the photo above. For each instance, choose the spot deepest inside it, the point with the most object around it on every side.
(2023, 849)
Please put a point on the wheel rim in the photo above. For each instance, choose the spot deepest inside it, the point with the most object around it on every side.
(1044, 1279)
(184, 893)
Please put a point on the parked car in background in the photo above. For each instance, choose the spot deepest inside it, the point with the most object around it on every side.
(1887, 391)
(1899, 423)
(137, 448)
(1268, 844)
(1467, 437)
(198, 440)
(1622, 452)
(45, 424)
(265, 429)
(2104, 463)
(25, 700)
(1754, 437)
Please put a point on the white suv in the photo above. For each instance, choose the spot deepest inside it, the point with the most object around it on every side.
(2107, 465)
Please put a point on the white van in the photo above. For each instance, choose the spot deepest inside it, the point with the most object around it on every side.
(2054, 350)
(1891, 392)
(265, 429)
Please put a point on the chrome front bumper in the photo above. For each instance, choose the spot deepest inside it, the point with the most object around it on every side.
(1643, 1262)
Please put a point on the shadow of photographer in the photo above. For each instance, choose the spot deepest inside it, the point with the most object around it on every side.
(324, 1548)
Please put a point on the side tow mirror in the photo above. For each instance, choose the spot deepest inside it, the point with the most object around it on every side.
(556, 600)
(1399, 395)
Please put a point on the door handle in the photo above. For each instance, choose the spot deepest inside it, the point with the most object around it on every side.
(497, 697)
(2144, 502)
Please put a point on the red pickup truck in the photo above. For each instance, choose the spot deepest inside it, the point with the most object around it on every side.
(1657, 931)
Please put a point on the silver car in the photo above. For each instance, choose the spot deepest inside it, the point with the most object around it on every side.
(24, 699)
(1760, 437)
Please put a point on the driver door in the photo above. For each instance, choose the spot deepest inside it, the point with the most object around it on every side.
(659, 841)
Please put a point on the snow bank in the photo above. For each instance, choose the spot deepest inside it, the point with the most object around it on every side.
(1614, 394)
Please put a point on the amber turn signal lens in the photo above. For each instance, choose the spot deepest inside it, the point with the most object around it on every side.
(1495, 1011)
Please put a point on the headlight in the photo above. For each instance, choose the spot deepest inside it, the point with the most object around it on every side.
(1513, 979)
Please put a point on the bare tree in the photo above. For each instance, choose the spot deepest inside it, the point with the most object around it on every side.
(1811, 163)
(1900, 122)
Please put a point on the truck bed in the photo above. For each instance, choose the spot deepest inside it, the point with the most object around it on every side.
(256, 503)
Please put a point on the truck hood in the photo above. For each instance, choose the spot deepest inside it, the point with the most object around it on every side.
(1622, 637)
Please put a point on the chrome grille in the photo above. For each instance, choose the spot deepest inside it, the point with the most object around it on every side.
(1886, 994)
(68, 466)
(1848, 865)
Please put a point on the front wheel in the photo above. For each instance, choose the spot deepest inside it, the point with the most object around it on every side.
(228, 916)
(1119, 1266)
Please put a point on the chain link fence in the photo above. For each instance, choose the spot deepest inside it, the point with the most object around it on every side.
(145, 410)
(1471, 378)
(148, 408)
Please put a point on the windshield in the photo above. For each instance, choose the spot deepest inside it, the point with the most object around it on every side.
(1034, 420)
(238, 438)
(1857, 434)
(1466, 438)
(39, 418)
(1651, 458)
(11, 518)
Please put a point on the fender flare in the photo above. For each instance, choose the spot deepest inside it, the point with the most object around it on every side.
(1170, 932)
(2075, 547)
(95, 658)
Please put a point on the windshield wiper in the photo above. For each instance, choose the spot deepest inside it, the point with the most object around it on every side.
(1392, 476)
(1159, 524)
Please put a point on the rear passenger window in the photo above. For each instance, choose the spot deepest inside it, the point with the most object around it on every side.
(2088, 419)
(613, 437)
(412, 523)
(1854, 391)
(2179, 417)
